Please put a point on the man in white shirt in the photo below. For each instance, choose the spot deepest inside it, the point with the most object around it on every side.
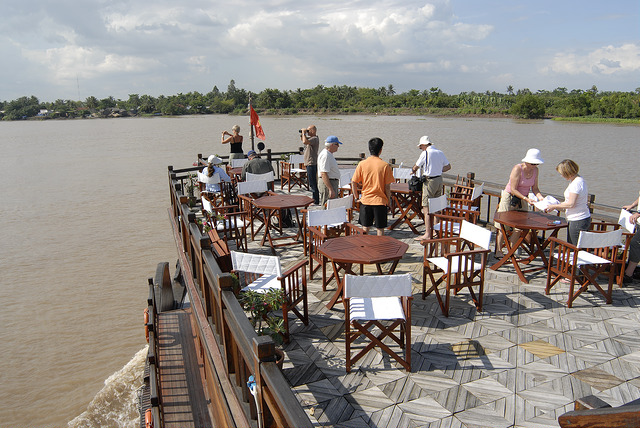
(328, 171)
(433, 163)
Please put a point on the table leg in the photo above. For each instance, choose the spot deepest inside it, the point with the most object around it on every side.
(337, 296)
(510, 256)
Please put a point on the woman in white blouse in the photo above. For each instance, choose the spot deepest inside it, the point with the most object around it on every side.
(575, 200)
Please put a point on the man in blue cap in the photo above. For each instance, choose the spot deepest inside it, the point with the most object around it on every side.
(256, 165)
(328, 171)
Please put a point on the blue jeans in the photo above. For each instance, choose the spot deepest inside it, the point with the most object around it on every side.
(312, 179)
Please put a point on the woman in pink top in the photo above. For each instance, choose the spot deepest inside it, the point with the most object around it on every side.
(523, 179)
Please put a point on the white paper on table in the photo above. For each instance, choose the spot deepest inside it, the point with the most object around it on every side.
(544, 203)
(625, 221)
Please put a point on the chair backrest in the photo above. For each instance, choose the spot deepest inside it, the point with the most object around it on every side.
(267, 176)
(402, 173)
(246, 187)
(346, 202)
(204, 178)
(296, 160)
(237, 163)
(477, 191)
(327, 217)
(599, 239)
(625, 221)
(345, 177)
(476, 234)
(438, 204)
(377, 285)
(256, 263)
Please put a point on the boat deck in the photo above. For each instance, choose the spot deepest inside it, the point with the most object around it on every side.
(183, 397)
(519, 363)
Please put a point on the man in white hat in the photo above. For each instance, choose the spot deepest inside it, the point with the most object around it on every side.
(328, 170)
(433, 163)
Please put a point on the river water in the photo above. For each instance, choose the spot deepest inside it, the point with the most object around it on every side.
(84, 222)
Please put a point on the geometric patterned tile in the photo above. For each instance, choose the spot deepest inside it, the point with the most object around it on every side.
(487, 389)
(598, 378)
(541, 349)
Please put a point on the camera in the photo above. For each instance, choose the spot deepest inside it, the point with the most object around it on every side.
(301, 130)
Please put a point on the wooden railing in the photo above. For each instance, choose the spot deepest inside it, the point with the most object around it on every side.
(231, 349)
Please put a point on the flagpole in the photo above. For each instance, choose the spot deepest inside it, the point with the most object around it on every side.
(251, 124)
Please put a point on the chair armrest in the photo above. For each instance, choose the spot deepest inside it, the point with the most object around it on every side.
(560, 243)
(466, 253)
(353, 229)
(316, 231)
(294, 268)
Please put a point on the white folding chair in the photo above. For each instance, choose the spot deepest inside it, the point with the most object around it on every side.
(400, 173)
(458, 266)
(595, 253)
(238, 163)
(345, 201)
(344, 184)
(267, 176)
(378, 307)
(323, 225)
(247, 192)
(209, 190)
(261, 273)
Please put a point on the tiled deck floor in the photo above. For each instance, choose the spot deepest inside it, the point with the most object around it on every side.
(519, 363)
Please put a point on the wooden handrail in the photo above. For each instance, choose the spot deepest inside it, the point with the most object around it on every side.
(226, 335)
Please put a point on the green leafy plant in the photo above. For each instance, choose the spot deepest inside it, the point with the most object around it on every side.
(191, 184)
(260, 306)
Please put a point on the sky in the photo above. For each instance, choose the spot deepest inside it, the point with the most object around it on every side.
(71, 50)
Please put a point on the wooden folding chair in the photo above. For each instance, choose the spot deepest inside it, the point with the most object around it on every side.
(210, 197)
(260, 273)
(231, 223)
(293, 173)
(460, 267)
(468, 197)
(247, 192)
(378, 302)
(595, 254)
(346, 202)
(344, 184)
(323, 225)
(402, 174)
(267, 176)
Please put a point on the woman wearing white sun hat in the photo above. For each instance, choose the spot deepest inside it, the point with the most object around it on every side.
(522, 180)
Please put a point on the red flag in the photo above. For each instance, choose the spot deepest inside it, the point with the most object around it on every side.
(255, 121)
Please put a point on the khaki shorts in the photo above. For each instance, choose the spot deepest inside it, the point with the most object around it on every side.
(431, 189)
(505, 205)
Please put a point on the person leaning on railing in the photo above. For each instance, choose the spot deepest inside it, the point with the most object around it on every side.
(634, 246)
(433, 163)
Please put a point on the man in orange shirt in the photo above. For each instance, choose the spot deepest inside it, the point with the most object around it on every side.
(376, 177)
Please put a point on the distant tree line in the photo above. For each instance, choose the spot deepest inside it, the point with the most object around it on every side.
(343, 100)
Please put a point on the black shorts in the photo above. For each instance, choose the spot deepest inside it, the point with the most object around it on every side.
(370, 214)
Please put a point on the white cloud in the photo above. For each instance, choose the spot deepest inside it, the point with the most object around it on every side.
(608, 60)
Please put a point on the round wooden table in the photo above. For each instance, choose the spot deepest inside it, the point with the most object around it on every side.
(346, 251)
(527, 221)
(271, 206)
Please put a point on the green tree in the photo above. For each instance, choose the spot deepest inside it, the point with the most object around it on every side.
(529, 107)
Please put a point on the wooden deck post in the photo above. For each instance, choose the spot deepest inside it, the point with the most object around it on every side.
(265, 350)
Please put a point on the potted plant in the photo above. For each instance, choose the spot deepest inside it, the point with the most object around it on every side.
(191, 185)
(260, 307)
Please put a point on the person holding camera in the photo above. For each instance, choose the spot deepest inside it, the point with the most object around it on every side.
(311, 145)
(433, 163)
(515, 196)
(235, 141)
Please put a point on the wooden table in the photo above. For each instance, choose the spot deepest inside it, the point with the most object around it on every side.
(271, 206)
(235, 173)
(409, 202)
(346, 251)
(527, 221)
